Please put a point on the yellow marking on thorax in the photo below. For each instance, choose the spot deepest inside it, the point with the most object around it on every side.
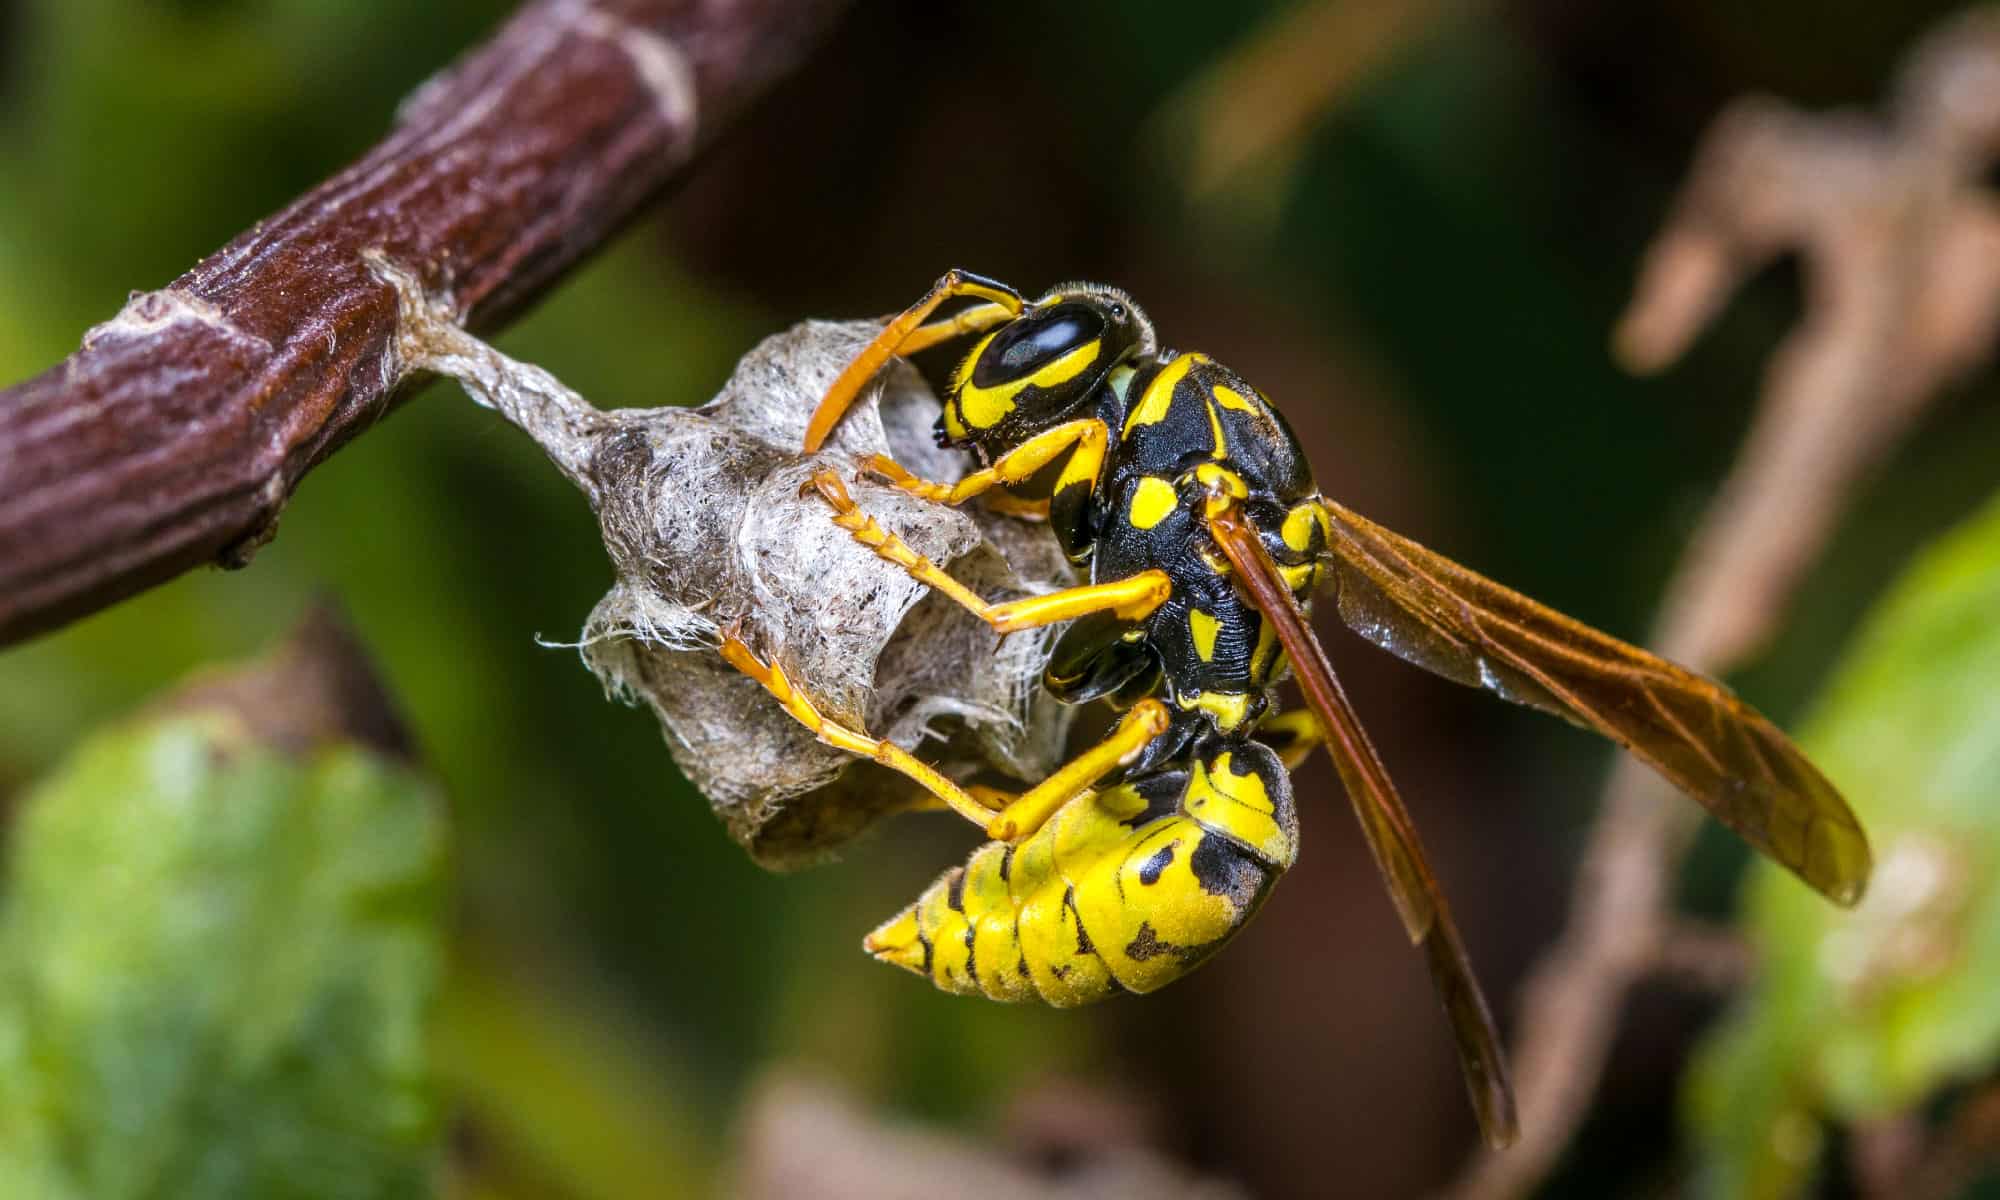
(1159, 395)
(1215, 430)
(1303, 578)
(985, 407)
(1300, 525)
(1227, 708)
(1152, 500)
(1209, 475)
(1204, 626)
(1229, 397)
(1264, 659)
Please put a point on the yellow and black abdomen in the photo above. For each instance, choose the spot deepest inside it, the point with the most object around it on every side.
(1126, 889)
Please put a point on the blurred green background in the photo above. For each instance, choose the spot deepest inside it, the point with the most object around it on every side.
(1427, 287)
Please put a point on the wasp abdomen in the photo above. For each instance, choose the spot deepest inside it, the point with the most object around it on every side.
(1126, 889)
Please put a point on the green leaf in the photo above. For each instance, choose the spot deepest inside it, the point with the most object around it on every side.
(1865, 1013)
(216, 965)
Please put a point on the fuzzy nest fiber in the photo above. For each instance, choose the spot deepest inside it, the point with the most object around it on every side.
(706, 531)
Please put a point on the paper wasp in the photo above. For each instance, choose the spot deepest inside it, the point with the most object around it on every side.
(1187, 497)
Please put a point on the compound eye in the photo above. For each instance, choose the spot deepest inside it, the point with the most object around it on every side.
(1035, 340)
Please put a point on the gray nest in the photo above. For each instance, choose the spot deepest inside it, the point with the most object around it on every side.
(706, 530)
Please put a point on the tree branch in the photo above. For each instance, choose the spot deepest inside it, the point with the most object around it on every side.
(175, 435)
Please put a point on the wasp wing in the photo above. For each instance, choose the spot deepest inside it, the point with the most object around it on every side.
(1473, 1033)
(1390, 834)
(1431, 611)
(1392, 837)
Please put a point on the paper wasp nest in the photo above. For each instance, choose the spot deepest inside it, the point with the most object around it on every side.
(706, 530)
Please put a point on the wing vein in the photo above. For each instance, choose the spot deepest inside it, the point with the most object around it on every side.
(1693, 731)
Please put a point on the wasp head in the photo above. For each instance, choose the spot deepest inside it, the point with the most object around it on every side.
(1043, 366)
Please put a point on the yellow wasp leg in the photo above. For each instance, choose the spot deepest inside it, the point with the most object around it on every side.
(897, 334)
(840, 737)
(1031, 809)
(1013, 506)
(1293, 735)
(1089, 436)
(1131, 598)
(986, 795)
(976, 319)
(992, 797)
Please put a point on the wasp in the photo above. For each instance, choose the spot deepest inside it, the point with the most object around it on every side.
(1180, 489)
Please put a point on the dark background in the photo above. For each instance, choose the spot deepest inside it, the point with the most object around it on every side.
(1425, 282)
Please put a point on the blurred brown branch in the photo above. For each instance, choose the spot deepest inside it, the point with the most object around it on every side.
(176, 434)
(800, 1138)
(1237, 130)
(1901, 247)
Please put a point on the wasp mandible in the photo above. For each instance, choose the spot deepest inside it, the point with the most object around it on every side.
(1181, 489)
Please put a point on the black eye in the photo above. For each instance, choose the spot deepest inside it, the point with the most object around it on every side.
(1035, 340)
(1118, 312)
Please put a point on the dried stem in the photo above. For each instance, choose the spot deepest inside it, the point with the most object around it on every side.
(1251, 110)
(1712, 959)
(801, 1138)
(175, 435)
(1902, 256)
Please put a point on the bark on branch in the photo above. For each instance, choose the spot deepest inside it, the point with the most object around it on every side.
(174, 436)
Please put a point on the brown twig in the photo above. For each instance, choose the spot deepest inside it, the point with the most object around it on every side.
(1902, 253)
(175, 435)
(1249, 111)
(802, 1138)
(1712, 959)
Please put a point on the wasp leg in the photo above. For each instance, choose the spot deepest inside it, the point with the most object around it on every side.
(839, 736)
(977, 319)
(1028, 812)
(908, 332)
(1067, 510)
(1088, 436)
(1294, 735)
(992, 797)
(1131, 598)
(1019, 509)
